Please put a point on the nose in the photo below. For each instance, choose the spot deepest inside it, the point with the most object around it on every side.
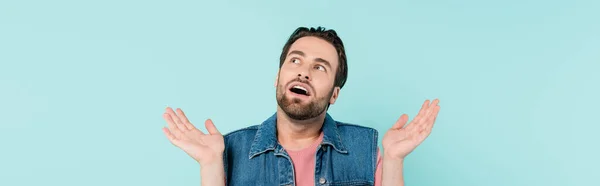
(305, 76)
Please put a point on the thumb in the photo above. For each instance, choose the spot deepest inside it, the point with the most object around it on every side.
(210, 126)
(401, 121)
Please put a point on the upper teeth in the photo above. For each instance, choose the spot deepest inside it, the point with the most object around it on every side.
(301, 88)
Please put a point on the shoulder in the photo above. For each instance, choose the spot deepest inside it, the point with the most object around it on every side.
(240, 141)
(355, 133)
(243, 132)
(354, 127)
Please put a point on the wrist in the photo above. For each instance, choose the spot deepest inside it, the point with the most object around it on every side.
(394, 159)
(210, 164)
(210, 160)
(212, 168)
(212, 173)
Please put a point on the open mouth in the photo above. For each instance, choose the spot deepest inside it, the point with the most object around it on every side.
(299, 90)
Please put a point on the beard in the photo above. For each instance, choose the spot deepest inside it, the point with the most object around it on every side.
(295, 109)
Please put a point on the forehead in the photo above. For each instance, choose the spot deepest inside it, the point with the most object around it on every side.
(314, 47)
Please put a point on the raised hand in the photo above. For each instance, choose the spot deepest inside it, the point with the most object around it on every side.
(400, 140)
(206, 149)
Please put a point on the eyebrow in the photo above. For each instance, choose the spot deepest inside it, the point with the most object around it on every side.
(300, 53)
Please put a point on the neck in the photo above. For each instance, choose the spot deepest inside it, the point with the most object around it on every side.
(297, 134)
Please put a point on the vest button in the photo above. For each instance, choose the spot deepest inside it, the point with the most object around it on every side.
(322, 181)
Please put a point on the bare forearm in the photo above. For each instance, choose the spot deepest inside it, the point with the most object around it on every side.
(213, 174)
(392, 174)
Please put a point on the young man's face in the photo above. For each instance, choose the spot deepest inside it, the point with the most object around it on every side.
(305, 84)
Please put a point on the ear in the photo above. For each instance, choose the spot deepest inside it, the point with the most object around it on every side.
(276, 79)
(334, 96)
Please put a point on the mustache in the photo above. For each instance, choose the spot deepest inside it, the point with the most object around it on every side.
(301, 81)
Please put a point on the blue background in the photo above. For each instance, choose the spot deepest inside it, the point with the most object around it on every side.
(83, 84)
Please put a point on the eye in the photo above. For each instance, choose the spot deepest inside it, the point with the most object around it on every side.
(320, 67)
(295, 60)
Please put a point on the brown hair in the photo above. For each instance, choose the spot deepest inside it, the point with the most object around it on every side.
(328, 35)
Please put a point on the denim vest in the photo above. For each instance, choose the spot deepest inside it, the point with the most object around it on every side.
(346, 156)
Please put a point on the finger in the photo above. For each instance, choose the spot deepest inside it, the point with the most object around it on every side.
(431, 110)
(428, 110)
(210, 127)
(172, 126)
(423, 111)
(413, 125)
(425, 131)
(433, 105)
(424, 120)
(436, 101)
(401, 122)
(433, 117)
(185, 120)
(170, 136)
(175, 118)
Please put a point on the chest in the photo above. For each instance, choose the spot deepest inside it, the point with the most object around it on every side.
(328, 167)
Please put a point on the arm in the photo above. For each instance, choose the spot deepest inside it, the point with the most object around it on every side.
(392, 171)
(213, 174)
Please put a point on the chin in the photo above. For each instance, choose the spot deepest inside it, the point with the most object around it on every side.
(297, 101)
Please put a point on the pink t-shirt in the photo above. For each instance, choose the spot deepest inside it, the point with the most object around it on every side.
(304, 164)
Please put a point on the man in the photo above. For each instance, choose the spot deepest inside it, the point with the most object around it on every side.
(301, 144)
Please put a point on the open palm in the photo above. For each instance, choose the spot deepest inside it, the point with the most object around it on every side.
(204, 148)
(400, 140)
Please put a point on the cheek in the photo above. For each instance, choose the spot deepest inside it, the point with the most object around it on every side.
(286, 73)
(287, 67)
(282, 81)
(323, 80)
(323, 89)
